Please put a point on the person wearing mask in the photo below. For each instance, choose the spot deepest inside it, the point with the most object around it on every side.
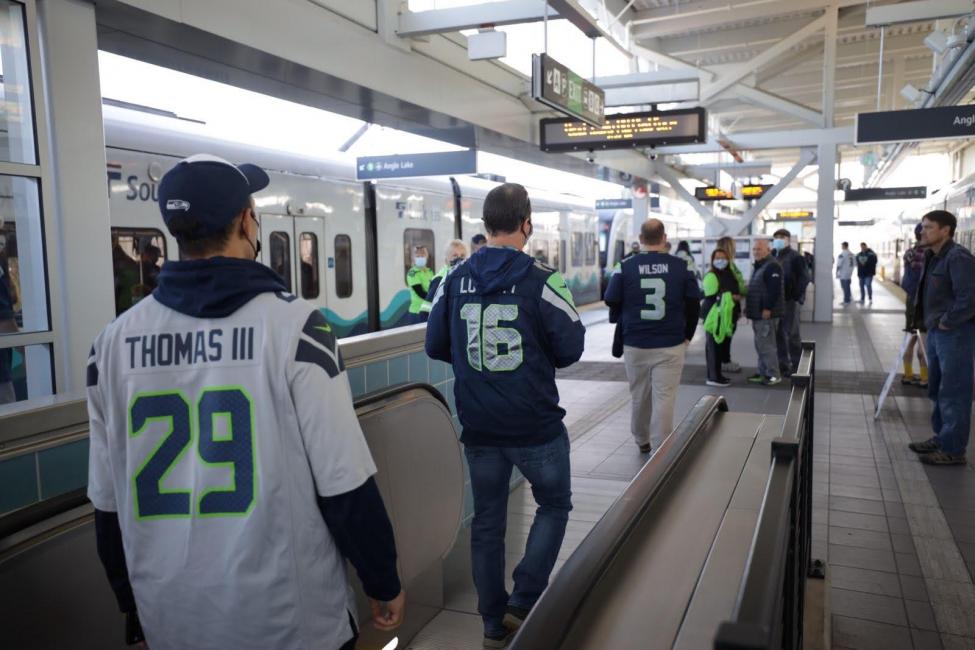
(866, 269)
(720, 310)
(657, 301)
(230, 477)
(913, 267)
(765, 305)
(845, 265)
(634, 249)
(454, 254)
(418, 280)
(684, 252)
(478, 242)
(795, 280)
(946, 302)
(727, 244)
(505, 322)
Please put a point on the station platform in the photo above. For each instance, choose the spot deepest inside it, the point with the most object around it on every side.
(898, 537)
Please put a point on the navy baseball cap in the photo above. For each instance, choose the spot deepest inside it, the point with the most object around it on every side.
(209, 190)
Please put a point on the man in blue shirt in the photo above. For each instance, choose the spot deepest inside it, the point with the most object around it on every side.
(656, 299)
(506, 322)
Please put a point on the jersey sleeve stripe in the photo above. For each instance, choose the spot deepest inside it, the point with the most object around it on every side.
(309, 353)
(439, 294)
(558, 302)
(91, 375)
(556, 283)
(318, 329)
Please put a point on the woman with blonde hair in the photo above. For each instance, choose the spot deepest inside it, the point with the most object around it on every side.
(727, 244)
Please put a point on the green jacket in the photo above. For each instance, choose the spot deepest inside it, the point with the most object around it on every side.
(418, 278)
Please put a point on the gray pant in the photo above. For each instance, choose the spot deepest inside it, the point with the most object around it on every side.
(768, 358)
(654, 376)
(788, 341)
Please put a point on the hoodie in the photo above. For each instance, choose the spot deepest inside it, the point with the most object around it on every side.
(215, 287)
(505, 322)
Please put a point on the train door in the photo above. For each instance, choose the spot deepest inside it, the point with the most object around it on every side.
(278, 247)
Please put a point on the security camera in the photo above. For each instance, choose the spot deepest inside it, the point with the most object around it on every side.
(653, 155)
(591, 156)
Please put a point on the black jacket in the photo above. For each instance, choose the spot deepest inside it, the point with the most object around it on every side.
(947, 288)
(866, 263)
(795, 273)
(765, 290)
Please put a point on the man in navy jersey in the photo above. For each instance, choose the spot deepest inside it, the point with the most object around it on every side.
(506, 322)
(657, 301)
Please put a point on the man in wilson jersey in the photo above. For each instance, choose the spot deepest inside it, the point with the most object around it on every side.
(228, 472)
(506, 322)
(657, 300)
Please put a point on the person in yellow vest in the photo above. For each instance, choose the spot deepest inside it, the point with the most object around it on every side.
(455, 254)
(418, 281)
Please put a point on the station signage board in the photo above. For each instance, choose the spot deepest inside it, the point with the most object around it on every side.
(625, 131)
(794, 215)
(712, 193)
(941, 123)
(751, 192)
(614, 204)
(885, 193)
(443, 163)
(558, 87)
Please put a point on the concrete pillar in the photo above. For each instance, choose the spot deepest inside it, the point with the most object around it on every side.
(641, 212)
(825, 207)
(82, 258)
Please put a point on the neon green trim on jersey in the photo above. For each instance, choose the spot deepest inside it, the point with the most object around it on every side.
(557, 284)
(233, 468)
(155, 450)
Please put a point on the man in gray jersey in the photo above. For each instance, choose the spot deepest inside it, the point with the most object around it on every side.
(230, 477)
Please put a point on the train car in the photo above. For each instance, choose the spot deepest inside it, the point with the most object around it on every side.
(341, 244)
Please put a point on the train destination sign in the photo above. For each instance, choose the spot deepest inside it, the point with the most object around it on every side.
(625, 131)
(885, 193)
(614, 204)
(751, 192)
(712, 193)
(442, 163)
(560, 88)
(941, 123)
(794, 215)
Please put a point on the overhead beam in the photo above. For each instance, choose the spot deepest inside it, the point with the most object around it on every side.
(647, 78)
(738, 170)
(669, 174)
(751, 141)
(806, 158)
(732, 77)
(669, 61)
(778, 104)
(655, 94)
(912, 12)
(438, 21)
(572, 11)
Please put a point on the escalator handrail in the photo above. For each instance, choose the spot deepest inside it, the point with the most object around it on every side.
(547, 624)
(23, 518)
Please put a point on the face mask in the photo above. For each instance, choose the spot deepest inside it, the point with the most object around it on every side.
(778, 244)
(419, 261)
(457, 260)
(721, 264)
(531, 231)
(255, 245)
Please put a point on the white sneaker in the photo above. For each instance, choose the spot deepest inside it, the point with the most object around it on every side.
(731, 366)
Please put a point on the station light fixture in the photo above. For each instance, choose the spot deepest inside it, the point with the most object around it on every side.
(487, 44)
(937, 41)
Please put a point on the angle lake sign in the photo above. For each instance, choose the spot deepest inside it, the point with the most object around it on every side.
(941, 123)
(558, 87)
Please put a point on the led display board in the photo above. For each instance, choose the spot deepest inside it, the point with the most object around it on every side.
(885, 193)
(795, 215)
(625, 131)
(560, 88)
(751, 192)
(711, 193)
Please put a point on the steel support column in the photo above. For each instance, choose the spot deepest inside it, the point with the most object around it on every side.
(825, 204)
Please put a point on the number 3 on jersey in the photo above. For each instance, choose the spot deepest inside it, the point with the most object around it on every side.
(490, 346)
(234, 447)
(656, 290)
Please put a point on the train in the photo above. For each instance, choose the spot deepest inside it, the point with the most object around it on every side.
(957, 198)
(341, 244)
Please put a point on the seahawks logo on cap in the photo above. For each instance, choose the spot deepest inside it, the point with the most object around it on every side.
(178, 204)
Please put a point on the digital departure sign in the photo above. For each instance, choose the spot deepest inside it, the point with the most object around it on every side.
(625, 131)
(711, 193)
(750, 192)
(794, 215)
(558, 87)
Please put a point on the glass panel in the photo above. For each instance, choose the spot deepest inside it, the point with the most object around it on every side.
(17, 115)
(560, 258)
(590, 249)
(23, 281)
(541, 251)
(577, 248)
(308, 249)
(280, 255)
(25, 372)
(343, 266)
(137, 257)
(413, 237)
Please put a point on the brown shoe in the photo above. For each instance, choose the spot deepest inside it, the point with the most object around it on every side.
(941, 458)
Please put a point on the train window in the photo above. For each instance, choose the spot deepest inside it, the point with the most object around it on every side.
(343, 266)
(308, 252)
(620, 250)
(418, 237)
(577, 248)
(591, 248)
(560, 260)
(541, 251)
(280, 256)
(137, 258)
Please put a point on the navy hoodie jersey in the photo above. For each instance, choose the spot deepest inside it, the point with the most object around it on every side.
(658, 300)
(505, 322)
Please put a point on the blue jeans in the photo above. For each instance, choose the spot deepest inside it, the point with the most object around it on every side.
(847, 293)
(866, 284)
(951, 374)
(546, 467)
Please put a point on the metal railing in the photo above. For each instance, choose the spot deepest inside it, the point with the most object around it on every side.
(546, 625)
(769, 609)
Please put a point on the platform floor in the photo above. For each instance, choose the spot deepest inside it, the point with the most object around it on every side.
(899, 537)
